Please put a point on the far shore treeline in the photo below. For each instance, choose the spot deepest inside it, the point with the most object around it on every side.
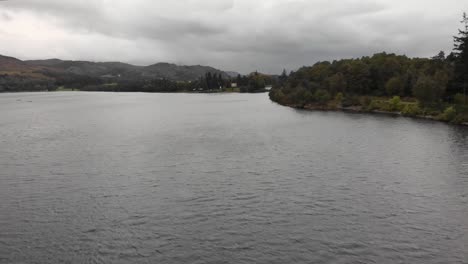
(209, 83)
(434, 87)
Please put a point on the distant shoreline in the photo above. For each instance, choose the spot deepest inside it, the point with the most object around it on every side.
(178, 92)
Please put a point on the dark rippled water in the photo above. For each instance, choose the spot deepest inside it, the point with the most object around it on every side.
(182, 178)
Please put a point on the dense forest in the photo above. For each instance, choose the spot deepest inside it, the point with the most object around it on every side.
(430, 87)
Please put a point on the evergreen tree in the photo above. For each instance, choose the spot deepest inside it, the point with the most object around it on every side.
(283, 77)
(461, 54)
(220, 81)
(238, 80)
(209, 80)
(214, 83)
(440, 56)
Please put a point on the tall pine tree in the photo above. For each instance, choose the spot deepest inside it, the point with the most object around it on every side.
(461, 54)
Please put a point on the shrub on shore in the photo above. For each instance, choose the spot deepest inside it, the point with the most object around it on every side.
(411, 109)
(448, 115)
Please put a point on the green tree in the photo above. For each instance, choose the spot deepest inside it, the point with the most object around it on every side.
(441, 77)
(440, 56)
(283, 77)
(427, 90)
(322, 96)
(358, 77)
(337, 83)
(395, 86)
(302, 96)
(256, 82)
(319, 72)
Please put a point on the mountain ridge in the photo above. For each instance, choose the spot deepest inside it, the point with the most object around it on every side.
(115, 69)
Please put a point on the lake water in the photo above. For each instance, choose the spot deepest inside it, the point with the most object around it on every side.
(225, 178)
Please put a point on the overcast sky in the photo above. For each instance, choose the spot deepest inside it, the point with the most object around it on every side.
(238, 35)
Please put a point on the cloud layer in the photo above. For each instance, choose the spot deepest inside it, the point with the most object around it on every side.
(241, 35)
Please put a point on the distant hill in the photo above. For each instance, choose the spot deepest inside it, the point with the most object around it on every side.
(178, 73)
(55, 67)
(13, 66)
(10, 63)
(126, 71)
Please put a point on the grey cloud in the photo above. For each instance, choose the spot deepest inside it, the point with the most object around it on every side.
(102, 17)
(240, 35)
(166, 28)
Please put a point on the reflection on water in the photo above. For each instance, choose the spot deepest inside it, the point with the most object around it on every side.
(181, 178)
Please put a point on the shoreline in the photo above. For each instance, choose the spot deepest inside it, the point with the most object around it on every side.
(360, 110)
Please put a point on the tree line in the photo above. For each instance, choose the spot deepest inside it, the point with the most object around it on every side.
(209, 82)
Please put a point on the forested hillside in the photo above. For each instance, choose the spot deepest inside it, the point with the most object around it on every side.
(384, 82)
